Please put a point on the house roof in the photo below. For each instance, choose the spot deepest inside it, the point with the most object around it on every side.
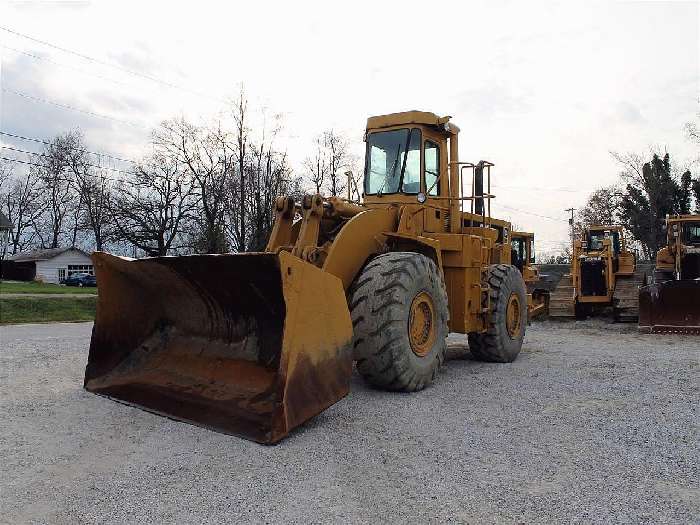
(5, 223)
(41, 255)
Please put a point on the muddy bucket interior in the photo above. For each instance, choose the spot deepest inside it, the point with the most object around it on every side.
(247, 344)
(671, 306)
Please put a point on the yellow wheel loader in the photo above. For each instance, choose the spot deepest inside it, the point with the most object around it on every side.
(603, 274)
(672, 302)
(523, 258)
(254, 344)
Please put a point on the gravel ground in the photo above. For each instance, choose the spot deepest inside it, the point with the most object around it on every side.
(592, 423)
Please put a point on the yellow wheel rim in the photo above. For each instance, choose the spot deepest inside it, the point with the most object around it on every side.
(421, 324)
(513, 316)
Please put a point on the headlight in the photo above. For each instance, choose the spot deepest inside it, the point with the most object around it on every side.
(421, 197)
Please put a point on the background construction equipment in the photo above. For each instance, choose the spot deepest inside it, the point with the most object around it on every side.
(523, 258)
(672, 302)
(603, 274)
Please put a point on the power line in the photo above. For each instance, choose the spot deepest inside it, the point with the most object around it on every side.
(21, 161)
(108, 64)
(44, 59)
(532, 213)
(535, 188)
(71, 108)
(40, 141)
(17, 150)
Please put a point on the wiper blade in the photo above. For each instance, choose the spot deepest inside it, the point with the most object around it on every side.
(390, 172)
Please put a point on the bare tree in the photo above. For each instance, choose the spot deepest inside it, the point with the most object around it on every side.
(326, 168)
(602, 207)
(153, 205)
(58, 190)
(94, 188)
(317, 166)
(266, 175)
(92, 185)
(22, 204)
(338, 161)
(204, 153)
(239, 116)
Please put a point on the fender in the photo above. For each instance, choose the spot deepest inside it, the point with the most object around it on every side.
(423, 245)
(363, 235)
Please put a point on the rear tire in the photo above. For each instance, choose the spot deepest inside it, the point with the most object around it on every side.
(503, 339)
(400, 314)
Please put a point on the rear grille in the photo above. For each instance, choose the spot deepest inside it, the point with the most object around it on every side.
(593, 278)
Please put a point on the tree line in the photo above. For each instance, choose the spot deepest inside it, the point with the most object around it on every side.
(204, 188)
(210, 188)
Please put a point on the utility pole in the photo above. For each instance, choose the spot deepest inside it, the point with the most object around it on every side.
(571, 225)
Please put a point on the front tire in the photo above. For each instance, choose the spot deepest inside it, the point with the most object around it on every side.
(503, 339)
(400, 314)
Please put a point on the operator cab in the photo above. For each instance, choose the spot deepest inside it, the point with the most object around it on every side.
(691, 234)
(393, 163)
(595, 238)
(522, 250)
(412, 158)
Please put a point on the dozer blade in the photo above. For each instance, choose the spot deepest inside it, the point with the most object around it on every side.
(248, 344)
(671, 306)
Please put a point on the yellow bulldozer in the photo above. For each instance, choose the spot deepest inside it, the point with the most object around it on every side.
(254, 344)
(603, 274)
(672, 302)
(523, 258)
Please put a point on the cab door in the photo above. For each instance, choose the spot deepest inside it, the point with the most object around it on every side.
(434, 169)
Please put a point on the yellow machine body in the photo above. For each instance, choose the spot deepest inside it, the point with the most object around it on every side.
(603, 274)
(672, 302)
(255, 344)
(523, 258)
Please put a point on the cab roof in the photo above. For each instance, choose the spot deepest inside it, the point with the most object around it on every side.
(683, 218)
(425, 118)
(602, 228)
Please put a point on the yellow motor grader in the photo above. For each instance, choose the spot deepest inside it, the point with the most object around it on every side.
(603, 274)
(254, 344)
(672, 302)
(523, 258)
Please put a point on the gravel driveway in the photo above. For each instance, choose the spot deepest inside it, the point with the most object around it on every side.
(592, 423)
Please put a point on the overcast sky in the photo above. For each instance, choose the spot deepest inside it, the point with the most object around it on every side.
(543, 90)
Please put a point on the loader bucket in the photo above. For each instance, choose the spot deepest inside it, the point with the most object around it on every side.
(671, 306)
(247, 344)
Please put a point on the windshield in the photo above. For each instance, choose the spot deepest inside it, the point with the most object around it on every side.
(518, 249)
(692, 233)
(392, 163)
(596, 238)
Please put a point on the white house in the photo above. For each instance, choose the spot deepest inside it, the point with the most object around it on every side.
(50, 266)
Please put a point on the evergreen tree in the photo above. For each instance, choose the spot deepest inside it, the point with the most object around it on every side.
(650, 198)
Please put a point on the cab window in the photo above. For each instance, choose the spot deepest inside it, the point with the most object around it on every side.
(392, 162)
(411, 174)
(692, 233)
(432, 168)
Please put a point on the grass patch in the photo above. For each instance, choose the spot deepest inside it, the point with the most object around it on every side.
(14, 310)
(34, 287)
